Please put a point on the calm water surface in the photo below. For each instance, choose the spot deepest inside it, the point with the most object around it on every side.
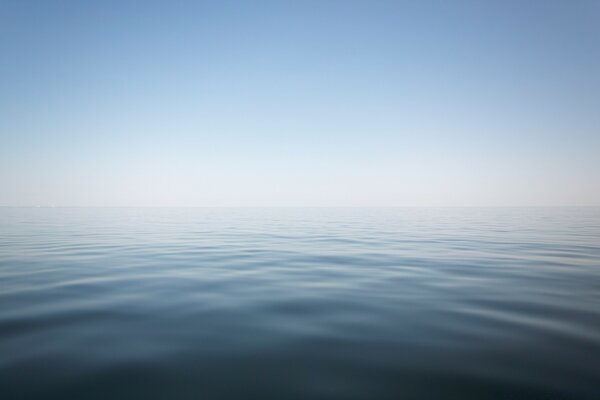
(299, 303)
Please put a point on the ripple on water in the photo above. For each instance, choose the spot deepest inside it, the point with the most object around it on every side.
(299, 303)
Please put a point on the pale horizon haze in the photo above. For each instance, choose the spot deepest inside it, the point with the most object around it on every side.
(309, 103)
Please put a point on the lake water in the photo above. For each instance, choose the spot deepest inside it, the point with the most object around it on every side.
(407, 303)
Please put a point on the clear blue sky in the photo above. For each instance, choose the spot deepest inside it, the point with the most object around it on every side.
(285, 103)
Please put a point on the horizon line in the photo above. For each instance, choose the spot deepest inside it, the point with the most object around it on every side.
(305, 206)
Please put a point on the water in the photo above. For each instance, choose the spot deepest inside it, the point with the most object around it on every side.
(299, 303)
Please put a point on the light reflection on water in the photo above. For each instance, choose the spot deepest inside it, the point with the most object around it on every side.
(114, 303)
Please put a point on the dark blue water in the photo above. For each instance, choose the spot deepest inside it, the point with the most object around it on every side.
(299, 303)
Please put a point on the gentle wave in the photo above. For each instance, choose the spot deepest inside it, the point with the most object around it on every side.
(300, 303)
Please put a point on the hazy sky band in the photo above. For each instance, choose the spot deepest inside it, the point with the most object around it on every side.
(320, 103)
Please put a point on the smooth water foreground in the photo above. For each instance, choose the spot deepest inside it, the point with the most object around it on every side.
(299, 303)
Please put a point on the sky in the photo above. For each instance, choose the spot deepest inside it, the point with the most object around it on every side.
(300, 103)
